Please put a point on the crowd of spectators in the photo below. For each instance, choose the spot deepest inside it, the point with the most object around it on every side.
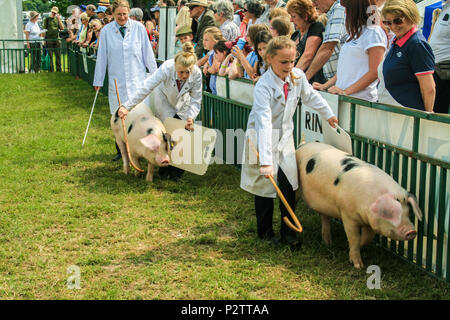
(370, 49)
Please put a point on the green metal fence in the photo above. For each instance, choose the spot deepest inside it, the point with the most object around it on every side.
(16, 57)
(426, 176)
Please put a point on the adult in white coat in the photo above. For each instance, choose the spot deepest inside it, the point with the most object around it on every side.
(125, 51)
(270, 128)
(177, 86)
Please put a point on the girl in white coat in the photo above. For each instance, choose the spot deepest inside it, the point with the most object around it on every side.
(178, 93)
(125, 50)
(270, 128)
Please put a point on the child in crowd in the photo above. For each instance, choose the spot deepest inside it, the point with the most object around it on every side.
(184, 34)
(210, 37)
(248, 62)
(281, 26)
(261, 41)
(228, 64)
(270, 129)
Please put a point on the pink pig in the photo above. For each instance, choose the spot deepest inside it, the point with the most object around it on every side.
(147, 138)
(368, 200)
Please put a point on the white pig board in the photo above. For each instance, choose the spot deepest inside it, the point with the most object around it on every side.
(193, 149)
(337, 137)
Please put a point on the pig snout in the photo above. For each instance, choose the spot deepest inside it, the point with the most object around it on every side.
(407, 232)
(410, 235)
(162, 161)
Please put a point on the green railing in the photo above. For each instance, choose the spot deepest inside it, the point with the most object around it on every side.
(422, 174)
(15, 57)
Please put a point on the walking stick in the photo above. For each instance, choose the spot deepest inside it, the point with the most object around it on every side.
(125, 133)
(298, 227)
(90, 117)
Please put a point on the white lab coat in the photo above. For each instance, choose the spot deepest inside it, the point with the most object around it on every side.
(270, 127)
(168, 101)
(126, 58)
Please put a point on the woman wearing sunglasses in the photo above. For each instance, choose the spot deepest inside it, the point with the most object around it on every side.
(409, 64)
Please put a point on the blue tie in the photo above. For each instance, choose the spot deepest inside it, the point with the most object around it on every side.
(122, 31)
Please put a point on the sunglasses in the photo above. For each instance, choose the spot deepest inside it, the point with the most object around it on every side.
(396, 21)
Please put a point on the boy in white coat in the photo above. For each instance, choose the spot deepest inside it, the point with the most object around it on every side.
(270, 129)
(125, 50)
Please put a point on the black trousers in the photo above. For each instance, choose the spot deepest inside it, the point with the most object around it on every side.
(264, 210)
(35, 51)
(442, 102)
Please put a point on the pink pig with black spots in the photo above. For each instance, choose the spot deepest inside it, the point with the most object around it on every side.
(367, 199)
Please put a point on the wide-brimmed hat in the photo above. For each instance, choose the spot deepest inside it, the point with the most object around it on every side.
(203, 3)
(33, 14)
(104, 3)
(55, 10)
(183, 30)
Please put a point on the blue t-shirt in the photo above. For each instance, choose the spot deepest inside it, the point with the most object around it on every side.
(251, 58)
(212, 79)
(408, 58)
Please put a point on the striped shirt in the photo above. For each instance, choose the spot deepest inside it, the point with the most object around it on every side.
(334, 32)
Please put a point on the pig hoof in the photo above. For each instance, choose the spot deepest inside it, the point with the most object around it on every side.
(149, 179)
(357, 264)
(327, 240)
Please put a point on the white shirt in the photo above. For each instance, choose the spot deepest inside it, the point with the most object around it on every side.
(439, 40)
(34, 30)
(126, 59)
(353, 61)
(270, 128)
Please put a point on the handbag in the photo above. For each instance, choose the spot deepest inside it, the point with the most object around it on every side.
(443, 70)
(45, 60)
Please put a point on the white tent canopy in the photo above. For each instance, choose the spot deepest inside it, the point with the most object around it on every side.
(12, 29)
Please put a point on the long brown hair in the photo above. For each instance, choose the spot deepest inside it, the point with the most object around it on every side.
(357, 17)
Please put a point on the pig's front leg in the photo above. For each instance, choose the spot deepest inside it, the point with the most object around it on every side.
(150, 169)
(326, 229)
(367, 235)
(352, 230)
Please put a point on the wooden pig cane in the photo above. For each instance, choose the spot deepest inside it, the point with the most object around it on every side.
(298, 227)
(125, 132)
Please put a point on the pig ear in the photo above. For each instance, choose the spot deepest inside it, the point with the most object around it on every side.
(152, 142)
(412, 202)
(387, 208)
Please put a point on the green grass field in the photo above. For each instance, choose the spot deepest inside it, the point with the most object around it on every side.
(62, 205)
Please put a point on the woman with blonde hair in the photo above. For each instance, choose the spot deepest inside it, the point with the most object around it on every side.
(177, 86)
(308, 36)
(409, 65)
